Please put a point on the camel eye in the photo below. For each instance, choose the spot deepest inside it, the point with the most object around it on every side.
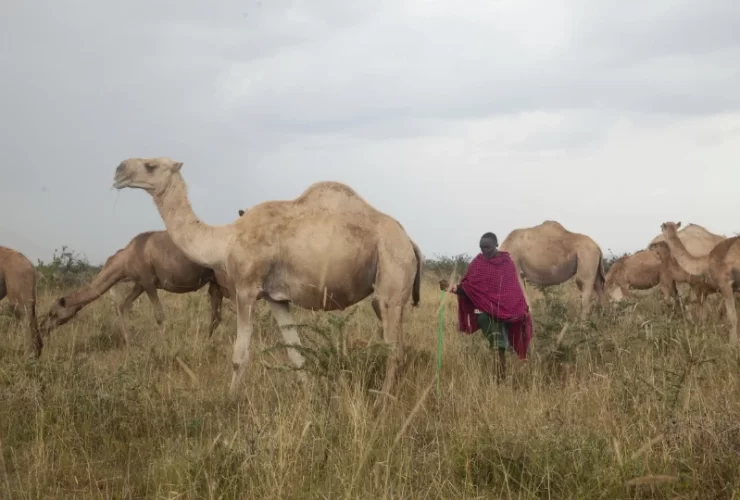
(150, 167)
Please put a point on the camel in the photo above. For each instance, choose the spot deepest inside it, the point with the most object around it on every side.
(18, 280)
(721, 266)
(640, 271)
(698, 242)
(291, 252)
(549, 254)
(673, 272)
(334, 200)
(151, 261)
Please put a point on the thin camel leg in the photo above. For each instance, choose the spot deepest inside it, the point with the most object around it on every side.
(586, 290)
(151, 292)
(217, 297)
(125, 306)
(392, 323)
(729, 297)
(281, 312)
(245, 299)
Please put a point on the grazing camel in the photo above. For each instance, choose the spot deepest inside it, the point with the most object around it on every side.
(290, 251)
(640, 271)
(548, 254)
(698, 242)
(18, 280)
(151, 261)
(721, 266)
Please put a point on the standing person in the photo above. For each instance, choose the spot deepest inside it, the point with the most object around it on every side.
(491, 299)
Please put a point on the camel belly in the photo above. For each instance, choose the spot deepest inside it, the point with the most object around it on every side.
(549, 272)
(335, 290)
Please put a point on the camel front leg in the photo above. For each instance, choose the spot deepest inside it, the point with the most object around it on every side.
(217, 297)
(246, 300)
(281, 312)
(125, 306)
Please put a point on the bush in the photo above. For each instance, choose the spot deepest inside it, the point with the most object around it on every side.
(66, 269)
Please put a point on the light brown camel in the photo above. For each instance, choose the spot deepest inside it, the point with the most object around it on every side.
(289, 251)
(698, 242)
(151, 261)
(721, 266)
(335, 199)
(548, 254)
(18, 280)
(700, 285)
(641, 270)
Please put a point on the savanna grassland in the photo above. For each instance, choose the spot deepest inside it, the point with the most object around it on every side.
(635, 403)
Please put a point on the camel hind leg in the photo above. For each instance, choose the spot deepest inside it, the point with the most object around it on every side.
(729, 298)
(217, 297)
(281, 312)
(391, 299)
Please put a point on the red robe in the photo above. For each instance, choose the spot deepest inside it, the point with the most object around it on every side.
(492, 286)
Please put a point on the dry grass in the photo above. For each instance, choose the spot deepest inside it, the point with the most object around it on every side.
(635, 404)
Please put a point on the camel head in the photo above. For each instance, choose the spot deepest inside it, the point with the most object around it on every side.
(57, 315)
(661, 248)
(150, 174)
(669, 228)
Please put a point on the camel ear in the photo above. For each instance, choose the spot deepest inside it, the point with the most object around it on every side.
(678, 224)
(241, 212)
(176, 166)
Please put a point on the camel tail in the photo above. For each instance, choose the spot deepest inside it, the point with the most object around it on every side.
(416, 290)
(602, 275)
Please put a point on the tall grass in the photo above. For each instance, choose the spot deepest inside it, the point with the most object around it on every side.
(638, 402)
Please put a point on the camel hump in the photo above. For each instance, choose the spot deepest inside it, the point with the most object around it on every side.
(332, 195)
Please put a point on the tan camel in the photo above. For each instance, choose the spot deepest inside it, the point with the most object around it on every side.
(151, 261)
(18, 280)
(698, 242)
(290, 251)
(699, 285)
(549, 254)
(721, 266)
(641, 270)
(335, 199)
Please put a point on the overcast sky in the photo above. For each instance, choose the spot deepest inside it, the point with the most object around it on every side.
(456, 117)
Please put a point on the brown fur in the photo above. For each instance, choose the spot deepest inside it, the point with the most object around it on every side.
(18, 281)
(549, 254)
(322, 199)
(290, 251)
(640, 271)
(151, 261)
(698, 241)
(699, 285)
(721, 266)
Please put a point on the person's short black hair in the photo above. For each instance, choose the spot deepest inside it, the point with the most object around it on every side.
(491, 236)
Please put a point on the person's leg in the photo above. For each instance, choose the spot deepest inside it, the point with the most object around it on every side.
(497, 336)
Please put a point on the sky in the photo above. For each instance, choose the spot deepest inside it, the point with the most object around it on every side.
(456, 118)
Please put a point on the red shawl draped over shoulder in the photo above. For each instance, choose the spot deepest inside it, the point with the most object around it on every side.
(492, 286)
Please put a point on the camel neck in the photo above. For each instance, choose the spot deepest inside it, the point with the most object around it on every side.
(203, 244)
(695, 266)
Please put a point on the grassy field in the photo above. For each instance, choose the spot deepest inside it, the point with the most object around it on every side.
(636, 403)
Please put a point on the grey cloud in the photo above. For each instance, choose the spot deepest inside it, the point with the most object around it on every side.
(226, 87)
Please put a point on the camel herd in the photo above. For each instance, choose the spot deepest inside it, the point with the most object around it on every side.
(329, 248)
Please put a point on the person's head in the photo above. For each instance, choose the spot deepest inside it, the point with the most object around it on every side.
(488, 245)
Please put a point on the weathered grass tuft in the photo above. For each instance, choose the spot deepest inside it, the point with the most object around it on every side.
(635, 403)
